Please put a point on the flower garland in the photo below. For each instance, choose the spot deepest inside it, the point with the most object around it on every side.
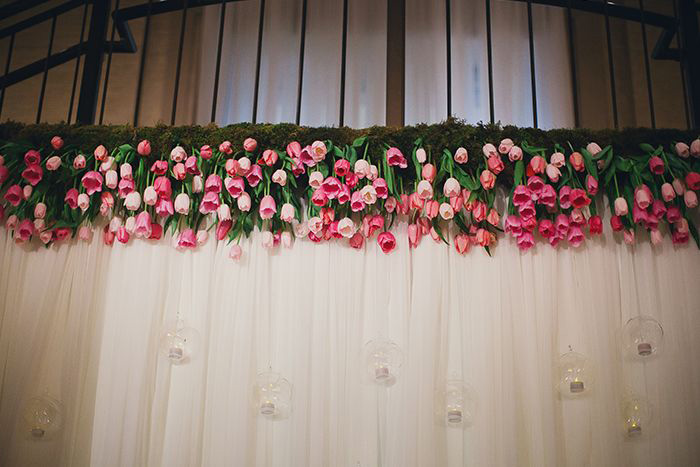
(324, 191)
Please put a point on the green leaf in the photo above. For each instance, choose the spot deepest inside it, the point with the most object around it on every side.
(437, 228)
(519, 170)
(590, 164)
(359, 142)
(623, 165)
(647, 147)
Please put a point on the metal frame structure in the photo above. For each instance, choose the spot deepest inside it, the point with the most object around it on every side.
(683, 26)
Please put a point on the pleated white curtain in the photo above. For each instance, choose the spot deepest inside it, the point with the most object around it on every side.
(365, 85)
(83, 322)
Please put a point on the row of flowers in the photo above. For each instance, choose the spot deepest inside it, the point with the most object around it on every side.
(322, 192)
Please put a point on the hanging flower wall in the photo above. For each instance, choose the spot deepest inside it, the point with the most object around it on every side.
(288, 182)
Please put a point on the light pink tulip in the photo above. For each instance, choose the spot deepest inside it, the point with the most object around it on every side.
(244, 202)
(133, 201)
(83, 201)
(182, 204)
(235, 252)
(287, 212)
(53, 163)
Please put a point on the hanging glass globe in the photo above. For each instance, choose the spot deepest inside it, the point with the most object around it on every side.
(179, 344)
(384, 359)
(273, 396)
(43, 416)
(575, 375)
(456, 404)
(642, 336)
(636, 413)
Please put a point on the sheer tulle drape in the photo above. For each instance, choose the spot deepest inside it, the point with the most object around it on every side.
(84, 322)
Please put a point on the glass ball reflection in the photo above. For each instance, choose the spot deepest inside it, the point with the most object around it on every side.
(43, 417)
(642, 336)
(575, 375)
(456, 404)
(384, 360)
(636, 413)
(179, 344)
(273, 396)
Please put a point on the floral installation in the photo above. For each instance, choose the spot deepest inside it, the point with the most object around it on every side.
(324, 191)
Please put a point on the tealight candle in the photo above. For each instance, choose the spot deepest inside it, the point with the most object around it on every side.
(267, 408)
(634, 430)
(644, 349)
(38, 432)
(381, 373)
(576, 386)
(454, 416)
(175, 353)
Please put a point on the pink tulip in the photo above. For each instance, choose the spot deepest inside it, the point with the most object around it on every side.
(462, 244)
(683, 150)
(421, 155)
(159, 167)
(331, 186)
(591, 185)
(553, 172)
(72, 198)
(79, 162)
(249, 144)
(53, 163)
(235, 252)
(11, 222)
(205, 152)
(85, 234)
(525, 241)
(33, 174)
(210, 202)
(558, 160)
(226, 147)
(163, 187)
(394, 157)
(361, 168)
(446, 211)
(515, 154)
(179, 171)
(202, 237)
(381, 188)
(197, 184)
(111, 179)
(123, 235)
(187, 239)
(267, 240)
(487, 179)
(656, 165)
(621, 208)
(287, 212)
(692, 180)
(254, 176)
(414, 235)
(143, 226)
(164, 207)
(235, 186)
(461, 156)
(156, 231)
(424, 189)
(100, 153)
(667, 192)
(429, 172)
(357, 241)
(213, 183)
(178, 154)
(356, 202)
(505, 146)
(108, 164)
(691, 199)
(451, 187)
(83, 201)
(628, 236)
(27, 191)
(489, 150)
(56, 143)
(368, 194)
(576, 161)
(279, 177)
(538, 164)
(294, 149)
(144, 148)
(315, 180)
(244, 202)
(223, 212)
(387, 242)
(24, 231)
(32, 157)
(656, 237)
(182, 204)
(642, 196)
(92, 182)
(495, 164)
(191, 165)
(270, 157)
(125, 171)
(223, 228)
(593, 148)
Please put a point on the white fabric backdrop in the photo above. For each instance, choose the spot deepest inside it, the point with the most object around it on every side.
(84, 322)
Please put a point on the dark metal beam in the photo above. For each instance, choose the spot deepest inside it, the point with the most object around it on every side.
(19, 6)
(90, 84)
(40, 17)
(690, 56)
